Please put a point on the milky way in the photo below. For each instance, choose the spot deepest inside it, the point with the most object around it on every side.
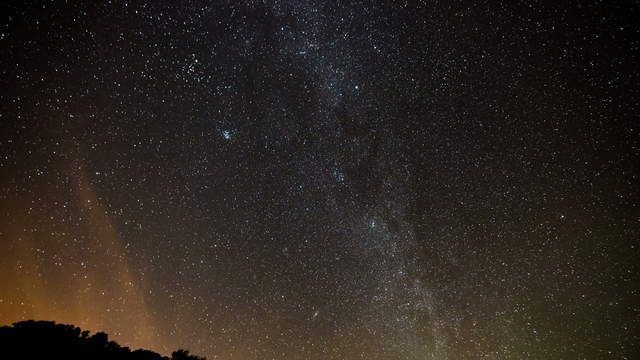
(324, 180)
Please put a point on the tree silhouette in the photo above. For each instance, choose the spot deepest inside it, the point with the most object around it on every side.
(184, 355)
(48, 340)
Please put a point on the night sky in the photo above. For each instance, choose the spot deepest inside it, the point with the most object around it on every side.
(297, 179)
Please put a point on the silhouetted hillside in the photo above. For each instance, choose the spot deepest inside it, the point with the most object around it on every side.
(48, 340)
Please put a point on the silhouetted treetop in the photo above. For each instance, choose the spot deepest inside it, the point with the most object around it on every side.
(48, 340)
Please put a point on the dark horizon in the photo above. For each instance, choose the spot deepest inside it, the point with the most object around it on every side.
(300, 179)
(40, 339)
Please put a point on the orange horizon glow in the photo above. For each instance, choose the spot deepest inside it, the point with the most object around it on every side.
(97, 292)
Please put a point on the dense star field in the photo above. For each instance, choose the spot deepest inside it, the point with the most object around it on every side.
(324, 180)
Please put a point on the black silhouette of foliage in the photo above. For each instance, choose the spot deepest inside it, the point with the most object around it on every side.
(184, 355)
(48, 340)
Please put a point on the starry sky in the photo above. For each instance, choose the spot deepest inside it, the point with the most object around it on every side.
(324, 179)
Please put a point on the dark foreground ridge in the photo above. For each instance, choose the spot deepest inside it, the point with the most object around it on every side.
(48, 340)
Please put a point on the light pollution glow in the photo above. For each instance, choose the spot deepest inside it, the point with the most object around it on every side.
(97, 292)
